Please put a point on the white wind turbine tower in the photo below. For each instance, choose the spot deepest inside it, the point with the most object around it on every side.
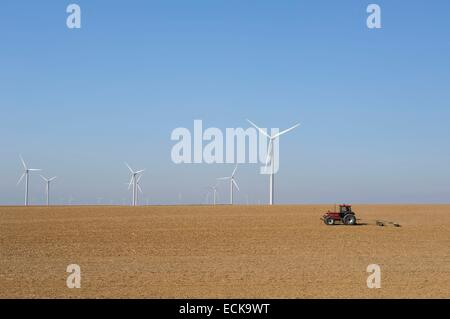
(26, 174)
(134, 183)
(270, 157)
(214, 191)
(47, 187)
(139, 189)
(232, 183)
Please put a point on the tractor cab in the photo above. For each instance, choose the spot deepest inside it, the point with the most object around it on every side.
(345, 209)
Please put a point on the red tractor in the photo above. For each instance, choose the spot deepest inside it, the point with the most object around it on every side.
(345, 216)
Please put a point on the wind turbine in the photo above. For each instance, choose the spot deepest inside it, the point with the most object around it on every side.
(270, 156)
(47, 187)
(133, 182)
(232, 183)
(139, 189)
(26, 174)
(214, 191)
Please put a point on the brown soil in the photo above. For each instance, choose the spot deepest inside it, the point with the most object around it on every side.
(223, 251)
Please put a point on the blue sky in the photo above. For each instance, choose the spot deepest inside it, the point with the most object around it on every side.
(373, 104)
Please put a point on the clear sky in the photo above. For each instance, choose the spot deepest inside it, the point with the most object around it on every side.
(374, 104)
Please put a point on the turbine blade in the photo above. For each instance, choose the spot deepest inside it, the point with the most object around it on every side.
(138, 179)
(259, 129)
(285, 131)
(20, 179)
(52, 179)
(34, 169)
(138, 172)
(23, 162)
(234, 171)
(235, 184)
(223, 178)
(139, 188)
(129, 167)
(131, 182)
(43, 178)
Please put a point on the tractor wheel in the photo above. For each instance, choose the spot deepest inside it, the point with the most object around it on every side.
(329, 221)
(349, 219)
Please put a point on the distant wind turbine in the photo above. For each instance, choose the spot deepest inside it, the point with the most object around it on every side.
(270, 157)
(47, 187)
(139, 189)
(134, 183)
(213, 190)
(26, 174)
(232, 183)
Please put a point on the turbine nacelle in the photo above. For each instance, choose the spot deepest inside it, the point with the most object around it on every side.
(48, 180)
(271, 139)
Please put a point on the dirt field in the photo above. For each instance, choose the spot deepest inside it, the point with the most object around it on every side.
(223, 251)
